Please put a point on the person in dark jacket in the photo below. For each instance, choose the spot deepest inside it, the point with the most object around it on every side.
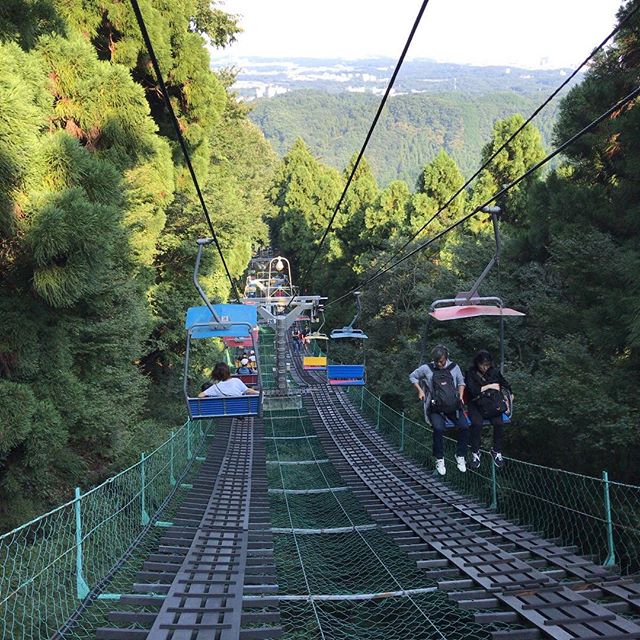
(486, 388)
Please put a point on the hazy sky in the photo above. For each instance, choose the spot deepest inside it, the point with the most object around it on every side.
(510, 32)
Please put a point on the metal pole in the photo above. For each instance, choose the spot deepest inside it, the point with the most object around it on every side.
(82, 588)
(172, 477)
(494, 488)
(361, 398)
(144, 516)
(189, 440)
(378, 415)
(610, 560)
(402, 433)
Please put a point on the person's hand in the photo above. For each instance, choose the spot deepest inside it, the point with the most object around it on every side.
(421, 395)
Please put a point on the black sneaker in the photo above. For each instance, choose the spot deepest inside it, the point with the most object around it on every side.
(475, 460)
(498, 460)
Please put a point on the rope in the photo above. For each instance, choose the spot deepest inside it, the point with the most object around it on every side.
(499, 194)
(366, 141)
(183, 145)
(509, 140)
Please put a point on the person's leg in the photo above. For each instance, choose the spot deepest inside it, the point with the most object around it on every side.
(498, 433)
(463, 434)
(437, 421)
(476, 427)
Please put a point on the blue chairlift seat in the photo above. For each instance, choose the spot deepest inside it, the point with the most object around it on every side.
(345, 374)
(222, 407)
(348, 332)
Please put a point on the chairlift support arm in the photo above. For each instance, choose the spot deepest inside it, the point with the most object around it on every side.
(203, 242)
(466, 297)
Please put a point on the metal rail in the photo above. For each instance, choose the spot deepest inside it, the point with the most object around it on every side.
(218, 549)
(497, 563)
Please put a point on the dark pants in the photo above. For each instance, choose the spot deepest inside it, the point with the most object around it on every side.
(437, 421)
(476, 429)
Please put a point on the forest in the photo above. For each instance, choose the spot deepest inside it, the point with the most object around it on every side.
(571, 258)
(412, 129)
(98, 222)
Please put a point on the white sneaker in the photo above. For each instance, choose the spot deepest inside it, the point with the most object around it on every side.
(462, 464)
(440, 468)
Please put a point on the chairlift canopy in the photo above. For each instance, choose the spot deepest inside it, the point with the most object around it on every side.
(472, 311)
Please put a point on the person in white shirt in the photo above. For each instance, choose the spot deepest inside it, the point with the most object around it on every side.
(224, 386)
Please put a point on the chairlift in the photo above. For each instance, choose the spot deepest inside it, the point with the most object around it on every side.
(316, 362)
(235, 325)
(349, 374)
(469, 304)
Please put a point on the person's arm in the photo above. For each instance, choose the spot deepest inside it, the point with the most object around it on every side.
(415, 377)
(251, 392)
(204, 394)
(493, 385)
(473, 384)
(458, 379)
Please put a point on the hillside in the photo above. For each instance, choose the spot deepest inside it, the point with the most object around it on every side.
(410, 133)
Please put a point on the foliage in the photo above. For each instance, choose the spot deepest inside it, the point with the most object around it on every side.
(570, 260)
(411, 132)
(98, 221)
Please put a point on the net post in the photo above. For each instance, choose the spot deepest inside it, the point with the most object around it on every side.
(172, 478)
(189, 454)
(378, 414)
(494, 488)
(82, 588)
(361, 398)
(402, 433)
(144, 516)
(610, 560)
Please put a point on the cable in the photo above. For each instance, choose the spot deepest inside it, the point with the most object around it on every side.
(366, 141)
(621, 103)
(183, 146)
(511, 137)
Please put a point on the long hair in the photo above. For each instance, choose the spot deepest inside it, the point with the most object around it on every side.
(482, 357)
(221, 372)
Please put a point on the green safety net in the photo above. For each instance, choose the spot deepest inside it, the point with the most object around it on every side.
(61, 571)
(340, 576)
(597, 515)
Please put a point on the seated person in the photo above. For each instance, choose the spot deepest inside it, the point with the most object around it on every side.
(224, 386)
(489, 398)
(243, 369)
(440, 386)
(252, 362)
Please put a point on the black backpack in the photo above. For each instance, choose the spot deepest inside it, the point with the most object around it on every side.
(445, 398)
(492, 403)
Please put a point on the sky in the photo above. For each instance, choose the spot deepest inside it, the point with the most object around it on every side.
(539, 34)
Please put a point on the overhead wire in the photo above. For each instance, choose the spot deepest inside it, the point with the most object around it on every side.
(511, 138)
(366, 142)
(502, 192)
(183, 145)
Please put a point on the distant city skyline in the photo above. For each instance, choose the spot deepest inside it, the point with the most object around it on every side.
(545, 34)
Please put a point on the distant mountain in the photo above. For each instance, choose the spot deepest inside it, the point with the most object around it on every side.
(411, 130)
(267, 77)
